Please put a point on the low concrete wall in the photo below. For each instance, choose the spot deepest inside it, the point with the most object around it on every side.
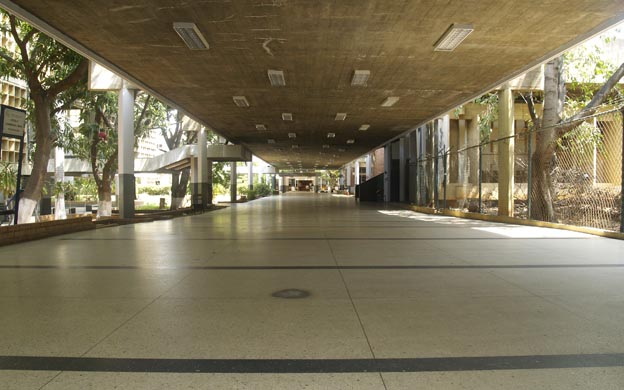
(34, 231)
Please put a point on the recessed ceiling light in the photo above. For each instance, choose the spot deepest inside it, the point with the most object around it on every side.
(276, 77)
(364, 127)
(341, 150)
(331, 135)
(350, 141)
(191, 35)
(341, 116)
(271, 141)
(452, 37)
(295, 146)
(390, 100)
(360, 77)
(325, 146)
(261, 127)
(240, 101)
(292, 135)
(287, 116)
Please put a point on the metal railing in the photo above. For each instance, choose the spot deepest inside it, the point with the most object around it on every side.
(570, 174)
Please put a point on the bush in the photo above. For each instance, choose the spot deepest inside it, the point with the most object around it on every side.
(262, 189)
(154, 190)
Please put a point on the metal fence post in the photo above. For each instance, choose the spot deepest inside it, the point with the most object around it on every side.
(622, 183)
(530, 174)
(445, 161)
(480, 178)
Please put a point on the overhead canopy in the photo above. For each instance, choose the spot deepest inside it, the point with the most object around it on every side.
(318, 45)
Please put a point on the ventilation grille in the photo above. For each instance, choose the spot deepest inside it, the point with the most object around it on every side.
(261, 127)
(360, 77)
(390, 101)
(240, 101)
(341, 116)
(452, 37)
(331, 135)
(276, 77)
(292, 135)
(364, 127)
(191, 36)
(287, 116)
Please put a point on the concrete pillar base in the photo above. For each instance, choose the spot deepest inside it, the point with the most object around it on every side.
(126, 196)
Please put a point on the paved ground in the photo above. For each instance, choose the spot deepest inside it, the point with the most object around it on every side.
(398, 300)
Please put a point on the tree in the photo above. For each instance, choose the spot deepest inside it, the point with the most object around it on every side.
(8, 178)
(96, 139)
(175, 137)
(56, 77)
(551, 127)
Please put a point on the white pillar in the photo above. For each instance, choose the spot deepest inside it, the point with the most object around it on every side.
(202, 169)
(356, 169)
(369, 166)
(349, 182)
(505, 153)
(125, 129)
(233, 176)
(402, 168)
(59, 177)
(387, 171)
(250, 174)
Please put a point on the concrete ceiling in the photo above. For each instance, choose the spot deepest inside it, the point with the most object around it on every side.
(318, 45)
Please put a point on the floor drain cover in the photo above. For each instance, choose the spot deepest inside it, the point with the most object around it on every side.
(291, 293)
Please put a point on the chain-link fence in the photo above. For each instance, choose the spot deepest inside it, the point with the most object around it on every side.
(570, 174)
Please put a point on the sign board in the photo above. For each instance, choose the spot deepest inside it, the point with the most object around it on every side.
(13, 121)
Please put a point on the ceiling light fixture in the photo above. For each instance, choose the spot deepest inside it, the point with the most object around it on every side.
(271, 141)
(276, 77)
(360, 77)
(295, 146)
(341, 116)
(331, 135)
(261, 127)
(452, 37)
(325, 146)
(364, 127)
(240, 101)
(341, 150)
(390, 100)
(191, 35)
(292, 135)
(351, 141)
(287, 116)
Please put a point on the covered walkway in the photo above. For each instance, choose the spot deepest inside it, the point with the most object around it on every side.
(396, 300)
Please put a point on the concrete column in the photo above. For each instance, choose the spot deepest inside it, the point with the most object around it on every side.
(208, 195)
(402, 168)
(202, 169)
(369, 166)
(59, 177)
(125, 129)
(273, 182)
(349, 182)
(282, 188)
(387, 171)
(250, 174)
(505, 153)
(233, 181)
(194, 178)
(356, 168)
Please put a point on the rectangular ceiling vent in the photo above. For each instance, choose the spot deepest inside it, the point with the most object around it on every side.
(325, 146)
(261, 127)
(191, 35)
(452, 37)
(240, 101)
(276, 77)
(360, 77)
(292, 135)
(350, 141)
(331, 135)
(341, 116)
(271, 141)
(364, 127)
(286, 116)
(390, 101)
(295, 146)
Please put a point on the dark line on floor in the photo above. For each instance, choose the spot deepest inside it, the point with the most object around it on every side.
(308, 267)
(292, 366)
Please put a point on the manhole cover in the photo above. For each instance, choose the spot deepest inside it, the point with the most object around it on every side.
(291, 293)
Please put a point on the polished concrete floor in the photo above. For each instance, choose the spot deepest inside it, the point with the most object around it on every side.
(398, 300)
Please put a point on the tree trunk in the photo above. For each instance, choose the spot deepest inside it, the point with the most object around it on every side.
(179, 185)
(32, 192)
(544, 156)
(105, 204)
(59, 177)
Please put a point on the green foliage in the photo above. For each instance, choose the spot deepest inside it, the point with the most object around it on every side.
(262, 189)
(331, 176)
(8, 178)
(66, 188)
(154, 190)
(86, 187)
(217, 189)
(489, 101)
(582, 139)
(219, 176)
